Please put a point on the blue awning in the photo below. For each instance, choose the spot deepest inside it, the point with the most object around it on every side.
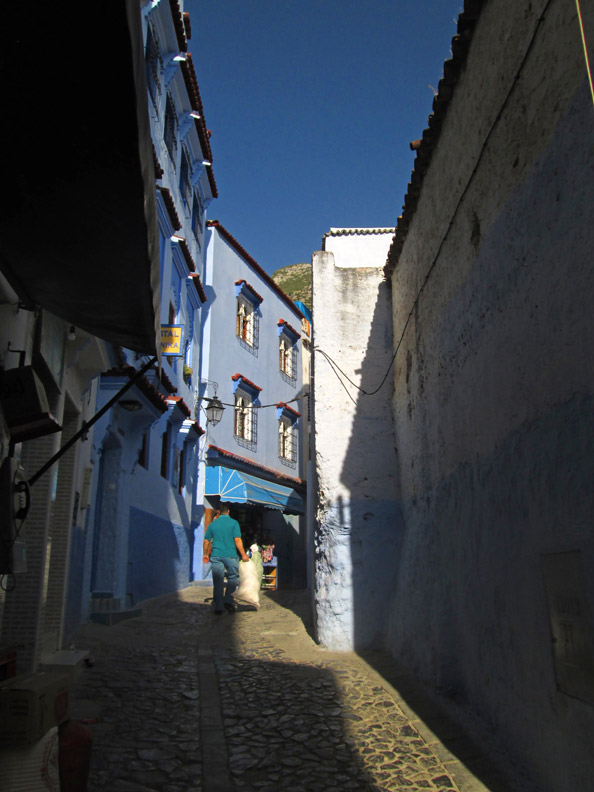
(237, 487)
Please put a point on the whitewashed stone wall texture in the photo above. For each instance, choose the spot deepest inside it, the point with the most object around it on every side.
(494, 387)
(357, 520)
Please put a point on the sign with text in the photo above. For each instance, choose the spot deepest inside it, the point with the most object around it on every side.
(171, 339)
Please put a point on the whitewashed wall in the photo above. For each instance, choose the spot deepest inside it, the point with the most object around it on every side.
(494, 390)
(357, 519)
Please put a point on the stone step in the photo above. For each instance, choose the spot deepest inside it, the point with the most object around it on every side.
(108, 617)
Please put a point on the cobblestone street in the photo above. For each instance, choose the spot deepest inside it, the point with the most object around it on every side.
(181, 700)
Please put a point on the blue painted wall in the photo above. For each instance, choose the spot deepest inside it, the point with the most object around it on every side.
(142, 519)
(74, 590)
(158, 556)
(224, 354)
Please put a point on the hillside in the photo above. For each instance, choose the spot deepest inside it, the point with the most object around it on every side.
(295, 280)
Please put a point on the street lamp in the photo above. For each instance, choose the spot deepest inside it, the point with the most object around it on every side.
(214, 410)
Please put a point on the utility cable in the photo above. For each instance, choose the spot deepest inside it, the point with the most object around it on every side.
(585, 46)
(257, 406)
(335, 365)
(87, 424)
(332, 362)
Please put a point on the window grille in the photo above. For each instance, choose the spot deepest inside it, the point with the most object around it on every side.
(185, 178)
(200, 205)
(247, 326)
(245, 422)
(287, 360)
(176, 292)
(170, 129)
(153, 66)
(191, 314)
(287, 443)
(197, 219)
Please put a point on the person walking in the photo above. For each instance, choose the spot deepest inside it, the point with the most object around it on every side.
(222, 542)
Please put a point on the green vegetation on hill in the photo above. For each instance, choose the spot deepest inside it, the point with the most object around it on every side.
(295, 280)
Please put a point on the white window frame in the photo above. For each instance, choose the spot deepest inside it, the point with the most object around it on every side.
(245, 420)
(285, 356)
(246, 322)
(287, 441)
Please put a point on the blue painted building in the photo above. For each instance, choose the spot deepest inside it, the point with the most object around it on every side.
(252, 361)
(146, 447)
(87, 277)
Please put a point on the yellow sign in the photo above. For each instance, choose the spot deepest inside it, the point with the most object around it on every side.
(171, 339)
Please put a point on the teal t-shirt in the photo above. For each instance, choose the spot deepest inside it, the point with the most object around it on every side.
(222, 532)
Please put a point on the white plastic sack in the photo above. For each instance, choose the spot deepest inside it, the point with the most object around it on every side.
(256, 557)
(249, 584)
(31, 768)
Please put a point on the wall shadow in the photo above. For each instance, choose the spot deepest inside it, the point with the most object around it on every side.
(363, 520)
(376, 518)
(371, 515)
(284, 723)
(462, 747)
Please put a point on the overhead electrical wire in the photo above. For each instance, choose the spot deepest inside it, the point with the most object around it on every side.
(257, 406)
(334, 365)
(585, 46)
(332, 362)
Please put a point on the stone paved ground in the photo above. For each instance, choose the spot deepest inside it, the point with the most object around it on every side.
(186, 701)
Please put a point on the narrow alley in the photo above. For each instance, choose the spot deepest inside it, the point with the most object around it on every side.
(180, 700)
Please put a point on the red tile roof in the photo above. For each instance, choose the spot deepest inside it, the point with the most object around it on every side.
(191, 82)
(283, 406)
(180, 403)
(199, 287)
(284, 323)
(452, 69)
(187, 25)
(143, 385)
(158, 169)
(254, 265)
(170, 206)
(186, 251)
(236, 377)
(197, 428)
(178, 23)
(251, 288)
(271, 473)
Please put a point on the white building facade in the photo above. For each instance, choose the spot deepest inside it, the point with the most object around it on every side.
(357, 517)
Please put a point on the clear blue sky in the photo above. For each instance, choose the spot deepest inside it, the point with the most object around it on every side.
(312, 106)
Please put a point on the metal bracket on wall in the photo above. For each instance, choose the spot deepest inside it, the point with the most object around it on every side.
(87, 425)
